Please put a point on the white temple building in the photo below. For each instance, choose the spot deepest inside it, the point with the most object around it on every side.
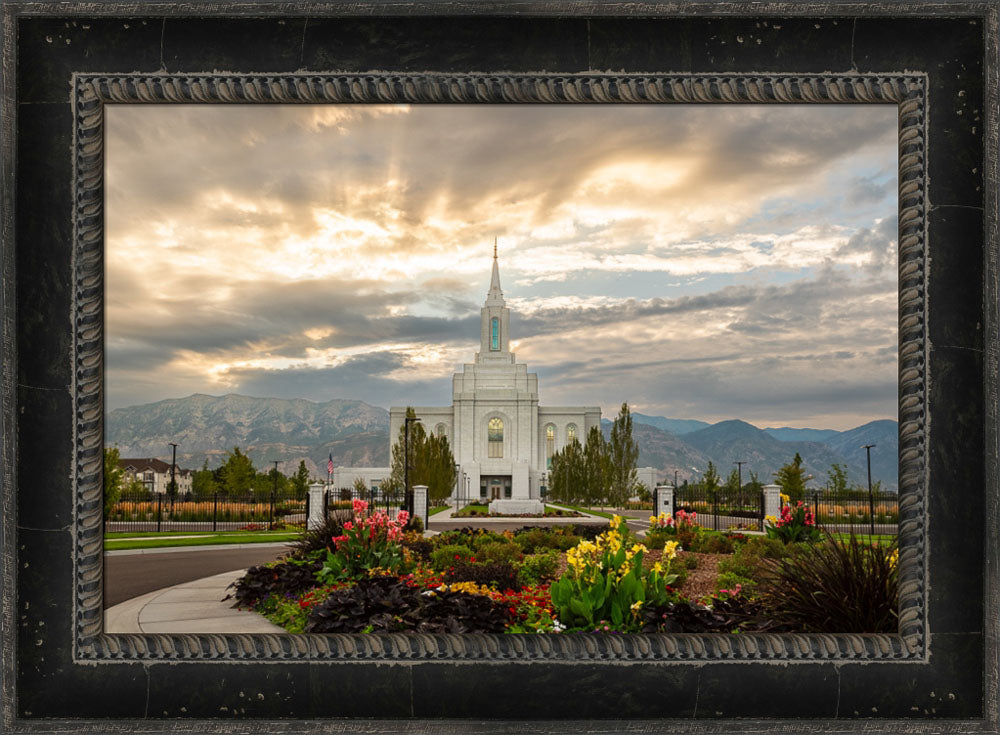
(502, 439)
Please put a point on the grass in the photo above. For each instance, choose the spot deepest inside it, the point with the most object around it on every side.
(578, 509)
(472, 508)
(213, 539)
(438, 509)
(880, 538)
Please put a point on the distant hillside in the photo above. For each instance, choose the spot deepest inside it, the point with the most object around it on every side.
(677, 427)
(206, 427)
(357, 434)
(788, 434)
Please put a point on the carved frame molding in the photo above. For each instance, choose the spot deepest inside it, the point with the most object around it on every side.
(908, 91)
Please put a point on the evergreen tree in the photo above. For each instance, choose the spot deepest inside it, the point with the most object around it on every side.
(792, 479)
(596, 468)
(732, 485)
(112, 479)
(836, 480)
(237, 473)
(623, 453)
(710, 481)
(568, 474)
(431, 461)
(300, 480)
(203, 483)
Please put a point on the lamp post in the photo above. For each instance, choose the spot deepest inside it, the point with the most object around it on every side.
(871, 497)
(407, 497)
(675, 480)
(458, 483)
(274, 489)
(173, 475)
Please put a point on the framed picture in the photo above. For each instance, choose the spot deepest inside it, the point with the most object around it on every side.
(101, 101)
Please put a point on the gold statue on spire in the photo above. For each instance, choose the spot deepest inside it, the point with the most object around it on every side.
(494, 247)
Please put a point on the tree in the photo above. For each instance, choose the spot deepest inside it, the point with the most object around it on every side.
(300, 480)
(710, 480)
(596, 468)
(568, 474)
(237, 473)
(755, 486)
(733, 483)
(623, 454)
(836, 479)
(360, 488)
(203, 483)
(431, 461)
(112, 479)
(792, 479)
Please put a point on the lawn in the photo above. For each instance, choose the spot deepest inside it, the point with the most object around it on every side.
(144, 541)
(579, 509)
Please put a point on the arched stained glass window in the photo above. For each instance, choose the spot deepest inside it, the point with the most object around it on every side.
(494, 334)
(550, 445)
(571, 434)
(495, 438)
(440, 430)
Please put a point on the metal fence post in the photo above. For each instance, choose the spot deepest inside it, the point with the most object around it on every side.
(816, 509)
(215, 510)
(159, 512)
(715, 510)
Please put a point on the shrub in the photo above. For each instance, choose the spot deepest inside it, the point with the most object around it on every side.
(690, 561)
(538, 568)
(419, 547)
(287, 577)
(384, 604)
(500, 575)
(731, 580)
(533, 540)
(499, 552)
(318, 539)
(835, 587)
(657, 538)
(450, 555)
(711, 542)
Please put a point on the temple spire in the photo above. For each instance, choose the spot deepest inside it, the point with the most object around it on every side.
(495, 291)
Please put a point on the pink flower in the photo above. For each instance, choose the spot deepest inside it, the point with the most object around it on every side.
(402, 517)
(348, 525)
(360, 506)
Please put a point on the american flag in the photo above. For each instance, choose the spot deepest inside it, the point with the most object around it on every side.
(329, 465)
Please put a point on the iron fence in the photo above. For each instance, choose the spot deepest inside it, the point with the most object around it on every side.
(152, 513)
(722, 509)
(340, 501)
(853, 511)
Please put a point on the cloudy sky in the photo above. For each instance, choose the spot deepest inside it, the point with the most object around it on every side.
(705, 262)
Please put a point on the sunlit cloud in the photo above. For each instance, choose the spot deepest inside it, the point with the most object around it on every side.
(709, 261)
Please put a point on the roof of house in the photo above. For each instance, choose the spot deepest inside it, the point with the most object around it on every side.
(150, 463)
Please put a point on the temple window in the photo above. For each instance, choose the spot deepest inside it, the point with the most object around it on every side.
(550, 445)
(495, 438)
(494, 334)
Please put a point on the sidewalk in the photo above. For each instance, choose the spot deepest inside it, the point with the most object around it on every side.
(192, 607)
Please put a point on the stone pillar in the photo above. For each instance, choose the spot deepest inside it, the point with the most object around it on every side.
(664, 500)
(772, 500)
(315, 519)
(420, 503)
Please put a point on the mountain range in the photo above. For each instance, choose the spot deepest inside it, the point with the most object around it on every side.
(357, 434)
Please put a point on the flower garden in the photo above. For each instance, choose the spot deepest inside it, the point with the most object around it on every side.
(370, 574)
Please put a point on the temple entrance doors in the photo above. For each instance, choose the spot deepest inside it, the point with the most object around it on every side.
(496, 487)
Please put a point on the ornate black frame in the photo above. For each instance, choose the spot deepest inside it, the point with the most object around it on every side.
(93, 92)
(941, 673)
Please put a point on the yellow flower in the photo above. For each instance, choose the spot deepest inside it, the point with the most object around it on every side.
(652, 519)
(784, 498)
(771, 519)
(658, 568)
(635, 607)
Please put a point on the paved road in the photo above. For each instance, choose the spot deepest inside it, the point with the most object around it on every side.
(129, 576)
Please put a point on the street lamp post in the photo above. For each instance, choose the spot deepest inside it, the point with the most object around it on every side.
(274, 490)
(173, 474)
(871, 497)
(675, 480)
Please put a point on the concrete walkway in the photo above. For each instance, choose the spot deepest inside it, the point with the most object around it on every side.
(192, 607)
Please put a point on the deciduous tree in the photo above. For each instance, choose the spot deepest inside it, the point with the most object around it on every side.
(623, 453)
